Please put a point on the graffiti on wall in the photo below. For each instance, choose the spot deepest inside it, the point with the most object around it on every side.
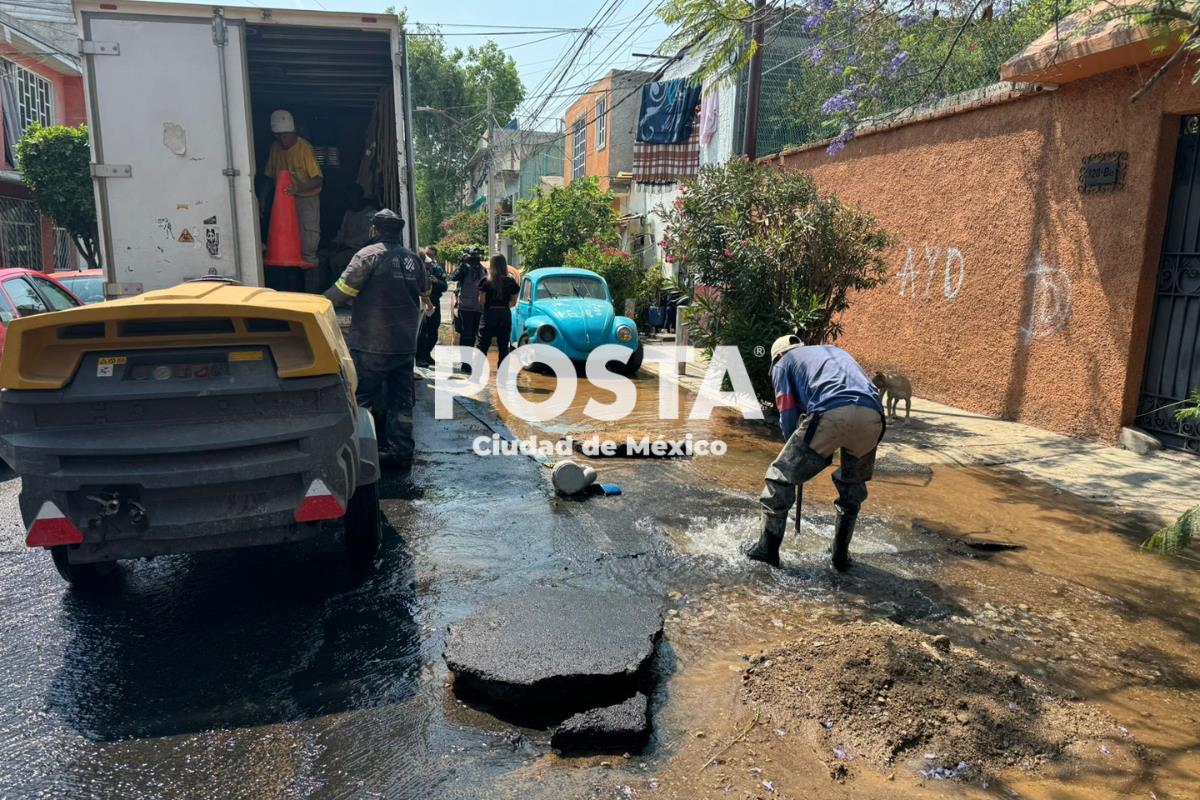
(1049, 300)
(919, 279)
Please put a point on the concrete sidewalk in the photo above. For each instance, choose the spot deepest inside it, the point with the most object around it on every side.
(1160, 486)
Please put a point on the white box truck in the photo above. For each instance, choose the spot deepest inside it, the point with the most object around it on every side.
(178, 103)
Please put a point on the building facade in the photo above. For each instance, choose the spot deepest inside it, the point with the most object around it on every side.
(1047, 265)
(600, 129)
(40, 82)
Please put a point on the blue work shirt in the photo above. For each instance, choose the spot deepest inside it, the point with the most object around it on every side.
(819, 378)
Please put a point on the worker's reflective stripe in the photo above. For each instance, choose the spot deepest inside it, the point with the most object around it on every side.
(345, 288)
(784, 401)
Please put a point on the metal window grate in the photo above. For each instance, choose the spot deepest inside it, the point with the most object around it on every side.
(579, 147)
(601, 121)
(64, 250)
(20, 234)
(35, 96)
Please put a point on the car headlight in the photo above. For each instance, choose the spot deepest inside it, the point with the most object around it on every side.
(624, 333)
(546, 333)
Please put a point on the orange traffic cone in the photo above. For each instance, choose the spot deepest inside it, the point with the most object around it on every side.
(283, 236)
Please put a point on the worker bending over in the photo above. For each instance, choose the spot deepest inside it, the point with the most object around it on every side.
(390, 289)
(825, 402)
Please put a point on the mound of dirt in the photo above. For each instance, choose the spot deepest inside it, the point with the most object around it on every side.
(887, 695)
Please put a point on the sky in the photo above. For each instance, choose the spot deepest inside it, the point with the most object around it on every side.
(628, 27)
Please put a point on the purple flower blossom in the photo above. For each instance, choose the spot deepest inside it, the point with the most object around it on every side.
(893, 67)
(839, 142)
(812, 22)
(908, 20)
(817, 54)
(824, 5)
(839, 103)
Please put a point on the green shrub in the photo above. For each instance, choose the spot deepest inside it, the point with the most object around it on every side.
(617, 267)
(55, 165)
(774, 257)
(549, 226)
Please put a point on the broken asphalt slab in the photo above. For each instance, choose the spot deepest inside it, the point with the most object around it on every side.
(624, 726)
(556, 651)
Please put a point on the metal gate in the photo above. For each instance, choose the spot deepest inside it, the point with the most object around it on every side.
(1173, 356)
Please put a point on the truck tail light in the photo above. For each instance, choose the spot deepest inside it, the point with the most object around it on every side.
(51, 528)
(319, 503)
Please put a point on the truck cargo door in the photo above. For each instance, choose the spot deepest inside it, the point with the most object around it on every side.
(167, 136)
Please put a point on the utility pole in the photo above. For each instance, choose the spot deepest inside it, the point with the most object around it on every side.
(754, 92)
(492, 244)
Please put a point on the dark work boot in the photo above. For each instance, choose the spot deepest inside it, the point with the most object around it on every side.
(842, 534)
(766, 549)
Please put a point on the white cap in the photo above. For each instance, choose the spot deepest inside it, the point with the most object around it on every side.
(783, 344)
(282, 122)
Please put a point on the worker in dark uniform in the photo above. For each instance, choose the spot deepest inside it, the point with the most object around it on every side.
(428, 337)
(826, 403)
(390, 289)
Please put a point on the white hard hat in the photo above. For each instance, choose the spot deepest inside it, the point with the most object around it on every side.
(282, 122)
(783, 344)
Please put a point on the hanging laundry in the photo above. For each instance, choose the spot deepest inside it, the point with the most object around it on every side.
(668, 111)
(710, 110)
(666, 163)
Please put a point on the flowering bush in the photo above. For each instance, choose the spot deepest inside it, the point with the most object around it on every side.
(549, 226)
(773, 257)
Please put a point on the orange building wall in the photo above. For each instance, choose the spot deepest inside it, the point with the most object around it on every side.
(597, 162)
(1010, 293)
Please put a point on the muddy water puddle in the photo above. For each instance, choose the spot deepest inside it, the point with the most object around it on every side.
(1027, 577)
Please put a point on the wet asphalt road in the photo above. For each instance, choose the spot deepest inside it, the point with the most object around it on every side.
(276, 672)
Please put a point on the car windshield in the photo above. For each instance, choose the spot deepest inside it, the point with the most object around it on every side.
(570, 286)
(89, 290)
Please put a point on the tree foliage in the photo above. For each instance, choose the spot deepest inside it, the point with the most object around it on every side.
(862, 59)
(548, 226)
(768, 256)
(456, 83)
(55, 166)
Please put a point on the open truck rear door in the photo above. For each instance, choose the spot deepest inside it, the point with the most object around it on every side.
(176, 94)
(167, 111)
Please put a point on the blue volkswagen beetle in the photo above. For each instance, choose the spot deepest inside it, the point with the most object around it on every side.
(571, 309)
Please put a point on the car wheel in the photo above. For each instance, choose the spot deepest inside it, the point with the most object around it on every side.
(363, 530)
(527, 361)
(82, 576)
(629, 368)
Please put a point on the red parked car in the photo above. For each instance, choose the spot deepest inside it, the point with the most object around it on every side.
(25, 292)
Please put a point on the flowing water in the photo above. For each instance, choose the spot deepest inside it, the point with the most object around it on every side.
(277, 673)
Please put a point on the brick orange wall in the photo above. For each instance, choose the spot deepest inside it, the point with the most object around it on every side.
(1010, 293)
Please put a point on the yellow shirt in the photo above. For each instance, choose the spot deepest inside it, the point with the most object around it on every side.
(299, 160)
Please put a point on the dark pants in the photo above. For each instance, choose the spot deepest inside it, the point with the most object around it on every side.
(428, 335)
(469, 322)
(497, 324)
(385, 388)
(285, 279)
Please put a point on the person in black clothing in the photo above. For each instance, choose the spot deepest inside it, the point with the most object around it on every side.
(497, 294)
(465, 306)
(428, 335)
(390, 290)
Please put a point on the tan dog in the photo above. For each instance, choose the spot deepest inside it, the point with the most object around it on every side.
(893, 387)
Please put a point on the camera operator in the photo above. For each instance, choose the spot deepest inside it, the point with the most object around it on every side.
(464, 303)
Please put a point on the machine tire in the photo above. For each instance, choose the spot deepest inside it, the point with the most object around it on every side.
(81, 576)
(630, 368)
(363, 529)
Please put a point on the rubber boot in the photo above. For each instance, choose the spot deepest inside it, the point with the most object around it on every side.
(842, 534)
(766, 549)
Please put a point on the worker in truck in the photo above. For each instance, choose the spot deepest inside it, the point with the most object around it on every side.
(390, 288)
(826, 402)
(293, 153)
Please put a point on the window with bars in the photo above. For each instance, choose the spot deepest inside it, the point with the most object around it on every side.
(601, 121)
(20, 234)
(579, 146)
(35, 95)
